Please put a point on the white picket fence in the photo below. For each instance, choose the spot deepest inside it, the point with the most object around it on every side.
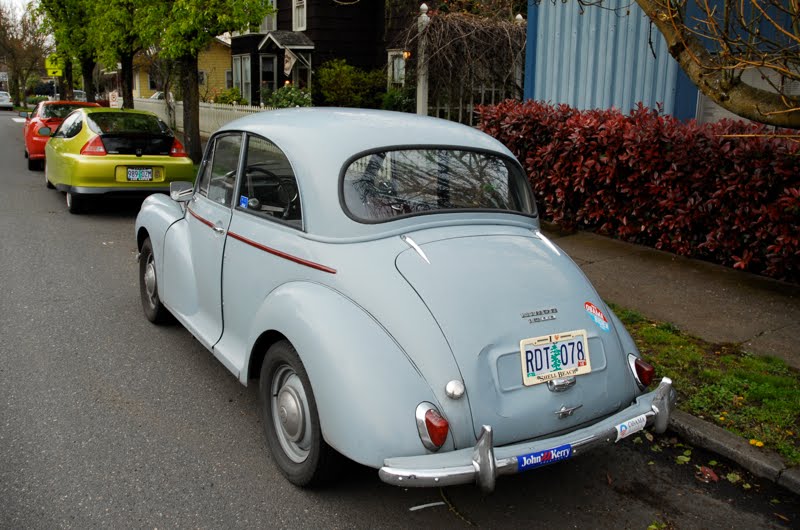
(212, 115)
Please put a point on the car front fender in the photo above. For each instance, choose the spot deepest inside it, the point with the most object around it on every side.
(157, 214)
(365, 386)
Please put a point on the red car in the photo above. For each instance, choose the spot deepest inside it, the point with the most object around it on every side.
(46, 114)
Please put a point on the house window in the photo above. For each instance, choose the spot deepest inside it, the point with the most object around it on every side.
(228, 78)
(151, 82)
(201, 77)
(298, 15)
(270, 22)
(241, 75)
(269, 72)
(396, 72)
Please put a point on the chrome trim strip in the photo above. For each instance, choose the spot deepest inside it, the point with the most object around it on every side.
(547, 242)
(411, 243)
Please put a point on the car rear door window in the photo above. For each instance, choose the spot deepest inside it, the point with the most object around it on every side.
(268, 186)
(218, 178)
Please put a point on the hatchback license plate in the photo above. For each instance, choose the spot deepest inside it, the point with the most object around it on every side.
(554, 356)
(138, 174)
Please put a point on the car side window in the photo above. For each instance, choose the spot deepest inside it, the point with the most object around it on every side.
(218, 177)
(71, 126)
(268, 187)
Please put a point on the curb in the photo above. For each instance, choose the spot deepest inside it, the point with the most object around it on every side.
(764, 464)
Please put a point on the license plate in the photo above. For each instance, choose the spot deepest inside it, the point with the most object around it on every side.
(554, 356)
(140, 173)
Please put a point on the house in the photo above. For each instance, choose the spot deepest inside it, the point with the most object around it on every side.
(300, 36)
(214, 70)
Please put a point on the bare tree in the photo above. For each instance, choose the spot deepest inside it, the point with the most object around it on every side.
(23, 45)
(715, 41)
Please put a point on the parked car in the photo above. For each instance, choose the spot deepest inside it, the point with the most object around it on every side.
(5, 101)
(384, 279)
(79, 95)
(113, 152)
(48, 114)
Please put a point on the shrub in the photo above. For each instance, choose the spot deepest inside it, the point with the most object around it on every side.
(287, 96)
(344, 85)
(34, 100)
(727, 192)
(231, 96)
(401, 100)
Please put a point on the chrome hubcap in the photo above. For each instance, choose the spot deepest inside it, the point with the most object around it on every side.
(69, 200)
(290, 414)
(150, 280)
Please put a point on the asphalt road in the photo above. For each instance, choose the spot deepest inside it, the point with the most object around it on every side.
(108, 421)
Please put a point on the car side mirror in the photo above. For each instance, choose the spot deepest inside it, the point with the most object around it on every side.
(26, 115)
(44, 131)
(181, 191)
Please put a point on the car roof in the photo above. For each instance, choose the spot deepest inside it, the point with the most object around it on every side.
(318, 142)
(98, 108)
(71, 102)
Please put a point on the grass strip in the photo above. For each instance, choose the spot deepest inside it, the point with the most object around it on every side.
(756, 397)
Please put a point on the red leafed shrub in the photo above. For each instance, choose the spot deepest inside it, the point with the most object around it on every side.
(694, 190)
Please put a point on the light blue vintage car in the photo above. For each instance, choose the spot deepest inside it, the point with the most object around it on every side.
(383, 276)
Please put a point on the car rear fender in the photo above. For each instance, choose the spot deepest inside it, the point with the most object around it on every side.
(365, 386)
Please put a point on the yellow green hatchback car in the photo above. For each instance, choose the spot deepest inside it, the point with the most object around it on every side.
(113, 152)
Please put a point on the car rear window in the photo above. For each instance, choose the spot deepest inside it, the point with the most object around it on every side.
(383, 185)
(123, 122)
(58, 111)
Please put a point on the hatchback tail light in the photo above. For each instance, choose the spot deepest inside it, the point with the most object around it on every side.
(94, 147)
(644, 372)
(177, 148)
(432, 426)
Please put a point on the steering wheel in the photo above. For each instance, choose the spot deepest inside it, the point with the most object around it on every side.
(287, 192)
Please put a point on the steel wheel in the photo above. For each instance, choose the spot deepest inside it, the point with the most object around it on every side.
(154, 310)
(291, 421)
(290, 414)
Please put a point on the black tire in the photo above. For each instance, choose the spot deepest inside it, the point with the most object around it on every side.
(154, 310)
(307, 461)
(33, 165)
(76, 203)
(46, 180)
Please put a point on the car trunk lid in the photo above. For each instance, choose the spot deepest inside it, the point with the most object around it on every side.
(490, 292)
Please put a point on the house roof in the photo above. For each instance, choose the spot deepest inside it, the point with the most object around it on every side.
(293, 40)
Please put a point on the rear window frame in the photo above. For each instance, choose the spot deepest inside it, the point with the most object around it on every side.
(510, 161)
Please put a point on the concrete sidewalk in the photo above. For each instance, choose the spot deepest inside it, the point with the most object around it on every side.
(709, 301)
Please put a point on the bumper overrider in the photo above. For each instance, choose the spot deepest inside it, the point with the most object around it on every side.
(483, 463)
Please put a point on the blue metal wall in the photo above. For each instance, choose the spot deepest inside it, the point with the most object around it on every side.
(602, 58)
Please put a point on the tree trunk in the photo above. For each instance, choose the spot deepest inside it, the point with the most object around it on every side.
(69, 82)
(14, 89)
(191, 107)
(87, 72)
(699, 65)
(126, 60)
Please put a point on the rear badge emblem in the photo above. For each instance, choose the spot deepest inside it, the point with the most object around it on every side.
(541, 315)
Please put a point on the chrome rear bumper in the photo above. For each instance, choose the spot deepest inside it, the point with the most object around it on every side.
(483, 463)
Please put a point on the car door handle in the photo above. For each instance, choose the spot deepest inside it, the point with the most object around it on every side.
(218, 229)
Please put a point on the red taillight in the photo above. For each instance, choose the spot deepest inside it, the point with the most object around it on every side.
(645, 372)
(177, 149)
(437, 427)
(94, 147)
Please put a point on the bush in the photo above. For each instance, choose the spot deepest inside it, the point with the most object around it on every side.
(232, 96)
(727, 192)
(401, 100)
(344, 85)
(34, 100)
(287, 96)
